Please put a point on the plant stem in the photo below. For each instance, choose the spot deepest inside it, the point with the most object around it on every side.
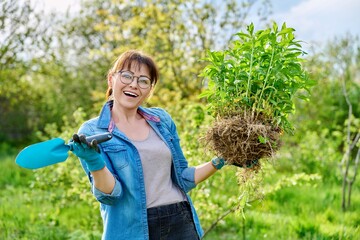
(267, 76)
(251, 65)
(232, 209)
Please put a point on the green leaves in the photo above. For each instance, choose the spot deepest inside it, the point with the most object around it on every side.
(259, 72)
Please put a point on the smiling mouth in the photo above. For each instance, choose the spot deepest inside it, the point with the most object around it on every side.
(131, 94)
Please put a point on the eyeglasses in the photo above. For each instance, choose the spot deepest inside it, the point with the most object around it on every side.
(127, 77)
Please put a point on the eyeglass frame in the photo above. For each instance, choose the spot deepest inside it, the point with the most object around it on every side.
(133, 78)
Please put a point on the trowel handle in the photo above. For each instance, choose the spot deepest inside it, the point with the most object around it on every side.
(102, 137)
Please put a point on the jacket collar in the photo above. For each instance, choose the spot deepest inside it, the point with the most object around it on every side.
(104, 120)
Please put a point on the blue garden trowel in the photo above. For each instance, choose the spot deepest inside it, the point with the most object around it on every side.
(51, 152)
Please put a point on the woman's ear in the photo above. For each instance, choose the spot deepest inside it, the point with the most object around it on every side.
(110, 80)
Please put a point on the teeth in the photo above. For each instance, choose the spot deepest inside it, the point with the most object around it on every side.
(131, 94)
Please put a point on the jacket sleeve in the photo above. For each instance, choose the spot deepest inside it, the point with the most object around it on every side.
(115, 195)
(188, 175)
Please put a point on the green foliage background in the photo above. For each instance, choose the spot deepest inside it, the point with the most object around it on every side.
(53, 77)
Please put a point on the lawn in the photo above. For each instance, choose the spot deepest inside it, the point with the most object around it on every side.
(300, 211)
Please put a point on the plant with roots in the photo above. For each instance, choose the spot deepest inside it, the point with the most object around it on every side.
(250, 92)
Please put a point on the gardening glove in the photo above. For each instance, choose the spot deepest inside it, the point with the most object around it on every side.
(88, 151)
(248, 164)
(218, 163)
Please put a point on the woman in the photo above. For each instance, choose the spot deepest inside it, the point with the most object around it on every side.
(140, 176)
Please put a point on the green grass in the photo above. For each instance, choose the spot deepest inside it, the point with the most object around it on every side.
(29, 213)
(293, 212)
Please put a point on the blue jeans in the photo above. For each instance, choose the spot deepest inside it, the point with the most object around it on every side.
(173, 222)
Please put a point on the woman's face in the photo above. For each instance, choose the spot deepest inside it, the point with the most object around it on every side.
(130, 96)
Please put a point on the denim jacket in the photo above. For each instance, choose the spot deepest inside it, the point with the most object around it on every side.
(124, 211)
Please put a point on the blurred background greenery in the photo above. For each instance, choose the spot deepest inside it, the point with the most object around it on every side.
(53, 77)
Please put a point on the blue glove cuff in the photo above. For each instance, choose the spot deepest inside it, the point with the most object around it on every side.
(95, 164)
(218, 163)
(93, 159)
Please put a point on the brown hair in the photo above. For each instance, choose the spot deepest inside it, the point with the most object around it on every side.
(127, 59)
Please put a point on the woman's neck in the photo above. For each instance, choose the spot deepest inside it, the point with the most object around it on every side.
(120, 114)
(131, 123)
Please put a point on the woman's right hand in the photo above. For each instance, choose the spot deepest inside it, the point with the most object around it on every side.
(88, 151)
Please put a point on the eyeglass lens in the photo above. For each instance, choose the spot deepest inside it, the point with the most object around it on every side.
(127, 78)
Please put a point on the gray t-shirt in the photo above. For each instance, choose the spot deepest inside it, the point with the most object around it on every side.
(156, 162)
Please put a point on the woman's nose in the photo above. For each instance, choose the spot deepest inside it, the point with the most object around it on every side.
(134, 83)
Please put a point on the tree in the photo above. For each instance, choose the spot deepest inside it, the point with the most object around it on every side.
(22, 35)
(333, 111)
(347, 54)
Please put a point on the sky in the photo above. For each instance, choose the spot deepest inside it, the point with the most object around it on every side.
(315, 21)
(319, 20)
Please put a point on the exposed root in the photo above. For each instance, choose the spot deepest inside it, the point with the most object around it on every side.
(243, 140)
